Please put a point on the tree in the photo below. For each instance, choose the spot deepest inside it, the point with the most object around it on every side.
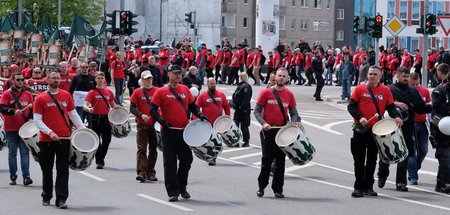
(41, 10)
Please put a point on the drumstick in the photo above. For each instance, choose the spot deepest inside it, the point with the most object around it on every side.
(176, 128)
(373, 117)
(64, 138)
(28, 106)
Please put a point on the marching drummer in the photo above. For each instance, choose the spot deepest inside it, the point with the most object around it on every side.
(16, 105)
(98, 103)
(175, 101)
(271, 115)
(408, 100)
(213, 103)
(146, 133)
(365, 112)
(50, 115)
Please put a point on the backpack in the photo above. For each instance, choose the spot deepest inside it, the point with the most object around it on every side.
(115, 66)
(262, 61)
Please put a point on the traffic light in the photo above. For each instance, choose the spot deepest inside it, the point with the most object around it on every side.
(430, 25)
(113, 23)
(132, 23)
(378, 27)
(188, 17)
(124, 22)
(420, 30)
(356, 24)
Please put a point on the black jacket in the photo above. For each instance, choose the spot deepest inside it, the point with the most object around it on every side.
(242, 96)
(189, 79)
(411, 97)
(441, 107)
(155, 70)
(82, 83)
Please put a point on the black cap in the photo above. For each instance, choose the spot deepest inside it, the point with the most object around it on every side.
(174, 68)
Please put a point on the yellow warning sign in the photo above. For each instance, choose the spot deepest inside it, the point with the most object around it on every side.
(395, 25)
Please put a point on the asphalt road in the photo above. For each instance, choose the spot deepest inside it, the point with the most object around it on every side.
(321, 187)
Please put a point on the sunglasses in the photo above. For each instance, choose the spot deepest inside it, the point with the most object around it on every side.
(20, 79)
(37, 72)
(84, 67)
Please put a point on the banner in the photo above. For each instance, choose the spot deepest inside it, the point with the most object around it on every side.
(80, 27)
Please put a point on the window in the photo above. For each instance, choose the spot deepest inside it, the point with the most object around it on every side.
(304, 3)
(415, 10)
(391, 9)
(318, 4)
(223, 21)
(430, 8)
(389, 41)
(325, 25)
(244, 24)
(304, 24)
(228, 20)
(340, 35)
(403, 10)
(293, 3)
(440, 8)
(414, 43)
(402, 42)
(293, 23)
(245, 2)
(340, 14)
(328, 4)
(316, 25)
(282, 22)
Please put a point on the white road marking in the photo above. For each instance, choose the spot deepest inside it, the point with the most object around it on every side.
(235, 149)
(164, 202)
(427, 172)
(321, 128)
(434, 160)
(245, 156)
(329, 125)
(257, 163)
(293, 168)
(91, 176)
(351, 188)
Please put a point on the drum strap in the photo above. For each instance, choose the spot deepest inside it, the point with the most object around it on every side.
(16, 100)
(215, 102)
(104, 99)
(179, 100)
(146, 96)
(60, 111)
(280, 104)
(380, 116)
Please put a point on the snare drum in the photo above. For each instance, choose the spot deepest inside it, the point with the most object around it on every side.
(231, 134)
(390, 141)
(294, 143)
(120, 123)
(3, 142)
(30, 136)
(158, 136)
(83, 146)
(202, 139)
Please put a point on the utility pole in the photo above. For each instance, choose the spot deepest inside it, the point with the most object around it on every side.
(59, 14)
(425, 48)
(20, 11)
(360, 35)
(122, 38)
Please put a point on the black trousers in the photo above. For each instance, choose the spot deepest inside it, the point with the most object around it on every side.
(402, 167)
(271, 152)
(242, 120)
(319, 86)
(250, 73)
(225, 72)
(174, 148)
(209, 72)
(309, 76)
(217, 72)
(101, 126)
(364, 151)
(233, 77)
(48, 152)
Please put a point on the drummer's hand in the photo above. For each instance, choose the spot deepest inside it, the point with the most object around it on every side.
(91, 110)
(399, 121)
(266, 126)
(401, 105)
(203, 118)
(363, 121)
(145, 117)
(18, 112)
(53, 136)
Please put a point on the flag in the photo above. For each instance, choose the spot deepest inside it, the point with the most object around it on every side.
(94, 40)
(8, 25)
(28, 26)
(80, 27)
(173, 43)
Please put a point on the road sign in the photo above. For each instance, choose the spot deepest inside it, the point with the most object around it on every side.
(444, 21)
(395, 26)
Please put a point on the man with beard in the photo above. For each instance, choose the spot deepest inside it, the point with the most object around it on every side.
(154, 70)
(66, 78)
(175, 102)
(269, 115)
(37, 82)
(241, 100)
(52, 111)
(79, 88)
(16, 105)
(73, 66)
(213, 103)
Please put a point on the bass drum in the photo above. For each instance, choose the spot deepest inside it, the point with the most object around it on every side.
(83, 145)
(30, 136)
(120, 123)
(403, 114)
(202, 139)
(390, 141)
(3, 142)
(158, 136)
(231, 134)
(294, 143)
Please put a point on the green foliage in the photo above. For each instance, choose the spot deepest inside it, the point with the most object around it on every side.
(40, 10)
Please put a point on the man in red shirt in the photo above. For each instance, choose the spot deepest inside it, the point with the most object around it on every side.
(98, 103)
(406, 59)
(418, 63)
(66, 78)
(269, 115)
(363, 146)
(209, 64)
(200, 62)
(117, 77)
(16, 106)
(242, 57)
(225, 64)
(173, 119)
(213, 103)
(146, 133)
(218, 62)
(73, 66)
(164, 60)
(234, 67)
(37, 82)
(53, 138)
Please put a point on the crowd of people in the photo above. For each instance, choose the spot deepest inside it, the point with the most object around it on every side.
(159, 86)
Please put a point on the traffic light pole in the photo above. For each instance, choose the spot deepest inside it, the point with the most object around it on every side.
(425, 48)
(122, 38)
(360, 35)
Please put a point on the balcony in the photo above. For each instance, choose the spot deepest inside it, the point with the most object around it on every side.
(229, 6)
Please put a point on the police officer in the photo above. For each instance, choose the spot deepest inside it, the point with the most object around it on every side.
(241, 104)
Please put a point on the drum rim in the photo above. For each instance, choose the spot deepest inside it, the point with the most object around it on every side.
(281, 130)
(441, 125)
(379, 123)
(117, 109)
(197, 121)
(21, 130)
(97, 139)
(218, 119)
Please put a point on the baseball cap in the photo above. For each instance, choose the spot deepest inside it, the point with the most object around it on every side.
(13, 67)
(174, 68)
(146, 74)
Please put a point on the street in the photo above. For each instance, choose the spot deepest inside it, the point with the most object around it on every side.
(321, 187)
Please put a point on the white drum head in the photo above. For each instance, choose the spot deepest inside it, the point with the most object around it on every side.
(223, 124)
(384, 127)
(197, 133)
(28, 129)
(85, 140)
(444, 125)
(118, 116)
(157, 126)
(287, 135)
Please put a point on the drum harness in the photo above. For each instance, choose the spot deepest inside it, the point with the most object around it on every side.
(60, 111)
(357, 127)
(214, 100)
(16, 100)
(179, 100)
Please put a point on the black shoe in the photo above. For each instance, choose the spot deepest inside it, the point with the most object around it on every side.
(401, 187)
(61, 204)
(245, 144)
(319, 99)
(27, 181)
(370, 192)
(443, 189)
(307, 84)
(357, 194)
(260, 193)
(173, 199)
(381, 182)
(12, 182)
(100, 166)
(212, 163)
(185, 195)
(45, 202)
(152, 178)
(141, 178)
(279, 195)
